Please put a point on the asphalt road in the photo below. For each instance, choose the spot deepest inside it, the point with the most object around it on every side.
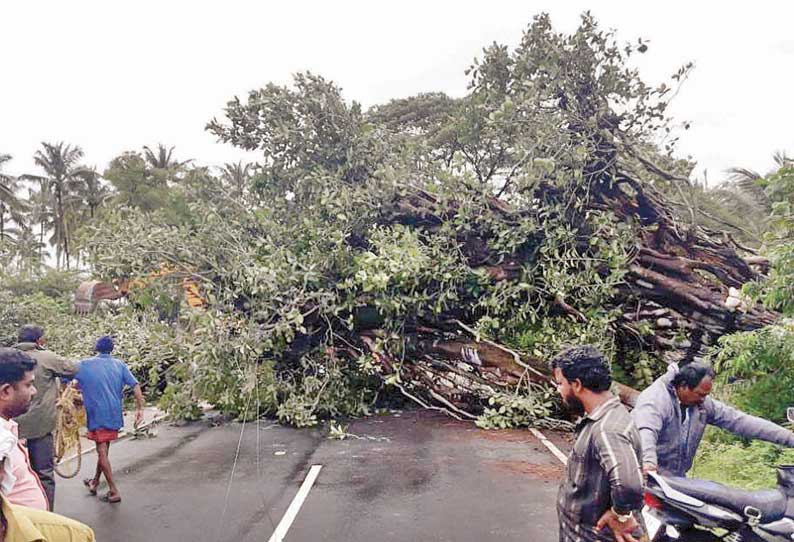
(416, 476)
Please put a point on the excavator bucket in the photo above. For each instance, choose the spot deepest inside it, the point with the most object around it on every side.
(90, 293)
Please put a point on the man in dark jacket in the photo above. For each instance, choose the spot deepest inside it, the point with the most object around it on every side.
(38, 424)
(603, 483)
(672, 413)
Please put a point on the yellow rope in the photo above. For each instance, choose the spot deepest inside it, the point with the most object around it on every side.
(71, 416)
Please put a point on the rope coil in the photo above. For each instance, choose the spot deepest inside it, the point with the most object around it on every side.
(71, 416)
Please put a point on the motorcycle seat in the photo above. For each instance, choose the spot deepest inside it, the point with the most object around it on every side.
(770, 502)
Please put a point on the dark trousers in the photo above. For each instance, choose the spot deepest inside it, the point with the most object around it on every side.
(41, 451)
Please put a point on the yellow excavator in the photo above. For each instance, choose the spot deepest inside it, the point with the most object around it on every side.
(91, 292)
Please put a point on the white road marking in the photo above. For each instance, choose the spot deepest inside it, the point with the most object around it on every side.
(295, 505)
(550, 445)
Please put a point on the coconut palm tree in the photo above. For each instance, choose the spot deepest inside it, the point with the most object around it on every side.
(92, 192)
(748, 183)
(26, 251)
(163, 159)
(743, 201)
(61, 164)
(237, 178)
(11, 206)
(41, 214)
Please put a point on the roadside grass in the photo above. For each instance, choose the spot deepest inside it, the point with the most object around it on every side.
(731, 461)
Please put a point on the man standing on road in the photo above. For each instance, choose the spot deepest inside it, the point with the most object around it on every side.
(38, 423)
(102, 380)
(20, 485)
(672, 413)
(603, 483)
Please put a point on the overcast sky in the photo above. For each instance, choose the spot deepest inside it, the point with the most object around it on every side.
(116, 75)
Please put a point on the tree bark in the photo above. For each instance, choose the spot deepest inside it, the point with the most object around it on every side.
(678, 284)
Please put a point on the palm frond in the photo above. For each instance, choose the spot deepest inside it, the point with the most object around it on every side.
(782, 159)
(742, 174)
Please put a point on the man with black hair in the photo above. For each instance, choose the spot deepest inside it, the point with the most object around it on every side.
(38, 423)
(672, 413)
(19, 483)
(603, 482)
(102, 380)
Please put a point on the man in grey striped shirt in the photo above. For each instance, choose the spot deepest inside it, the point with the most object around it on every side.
(603, 483)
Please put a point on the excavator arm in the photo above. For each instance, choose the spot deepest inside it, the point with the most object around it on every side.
(90, 293)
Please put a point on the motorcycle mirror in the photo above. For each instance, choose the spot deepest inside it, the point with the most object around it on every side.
(790, 414)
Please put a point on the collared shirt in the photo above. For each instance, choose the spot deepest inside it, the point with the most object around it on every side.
(27, 489)
(603, 471)
(39, 420)
(670, 434)
(29, 525)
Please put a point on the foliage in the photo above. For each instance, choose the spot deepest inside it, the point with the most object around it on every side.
(302, 130)
(324, 246)
(50, 282)
(137, 185)
(12, 207)
(518, 410)
(745, 465)
(757, 369)
(777, 291)
(407, 216)
(229, 367)
(148, 346)
(63, 173)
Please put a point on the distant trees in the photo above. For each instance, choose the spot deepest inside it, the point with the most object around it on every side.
(62, 178)
(52, 207)
(144, 180)
(163, 158)
(237, 178)
(12, 208)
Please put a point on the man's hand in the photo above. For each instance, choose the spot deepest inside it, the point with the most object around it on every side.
(646, 468)
(621, 530)
(139, 403)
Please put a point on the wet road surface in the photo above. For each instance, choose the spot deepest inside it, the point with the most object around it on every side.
(417, 476)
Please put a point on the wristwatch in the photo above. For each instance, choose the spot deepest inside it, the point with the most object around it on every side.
(622, 518)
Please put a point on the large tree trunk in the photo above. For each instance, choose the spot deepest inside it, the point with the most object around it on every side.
(682, 277)
(451, 369)
(679, 282)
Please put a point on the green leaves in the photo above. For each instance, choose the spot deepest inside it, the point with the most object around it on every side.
(757, 369)
(308, 128)
(777, 290)
(518, 410)
(375, 223)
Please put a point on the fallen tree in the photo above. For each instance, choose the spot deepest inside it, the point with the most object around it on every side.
(444, 248)
(680, 284)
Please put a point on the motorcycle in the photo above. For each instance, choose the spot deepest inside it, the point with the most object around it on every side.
(692, 510)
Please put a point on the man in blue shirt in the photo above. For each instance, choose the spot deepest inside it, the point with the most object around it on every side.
(102, 380)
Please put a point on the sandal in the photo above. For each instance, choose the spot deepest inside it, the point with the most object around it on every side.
(91, 485)
(108, 499)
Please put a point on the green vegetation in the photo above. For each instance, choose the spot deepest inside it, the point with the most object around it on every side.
(747, 465)
(756, 368)
(334, 271)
